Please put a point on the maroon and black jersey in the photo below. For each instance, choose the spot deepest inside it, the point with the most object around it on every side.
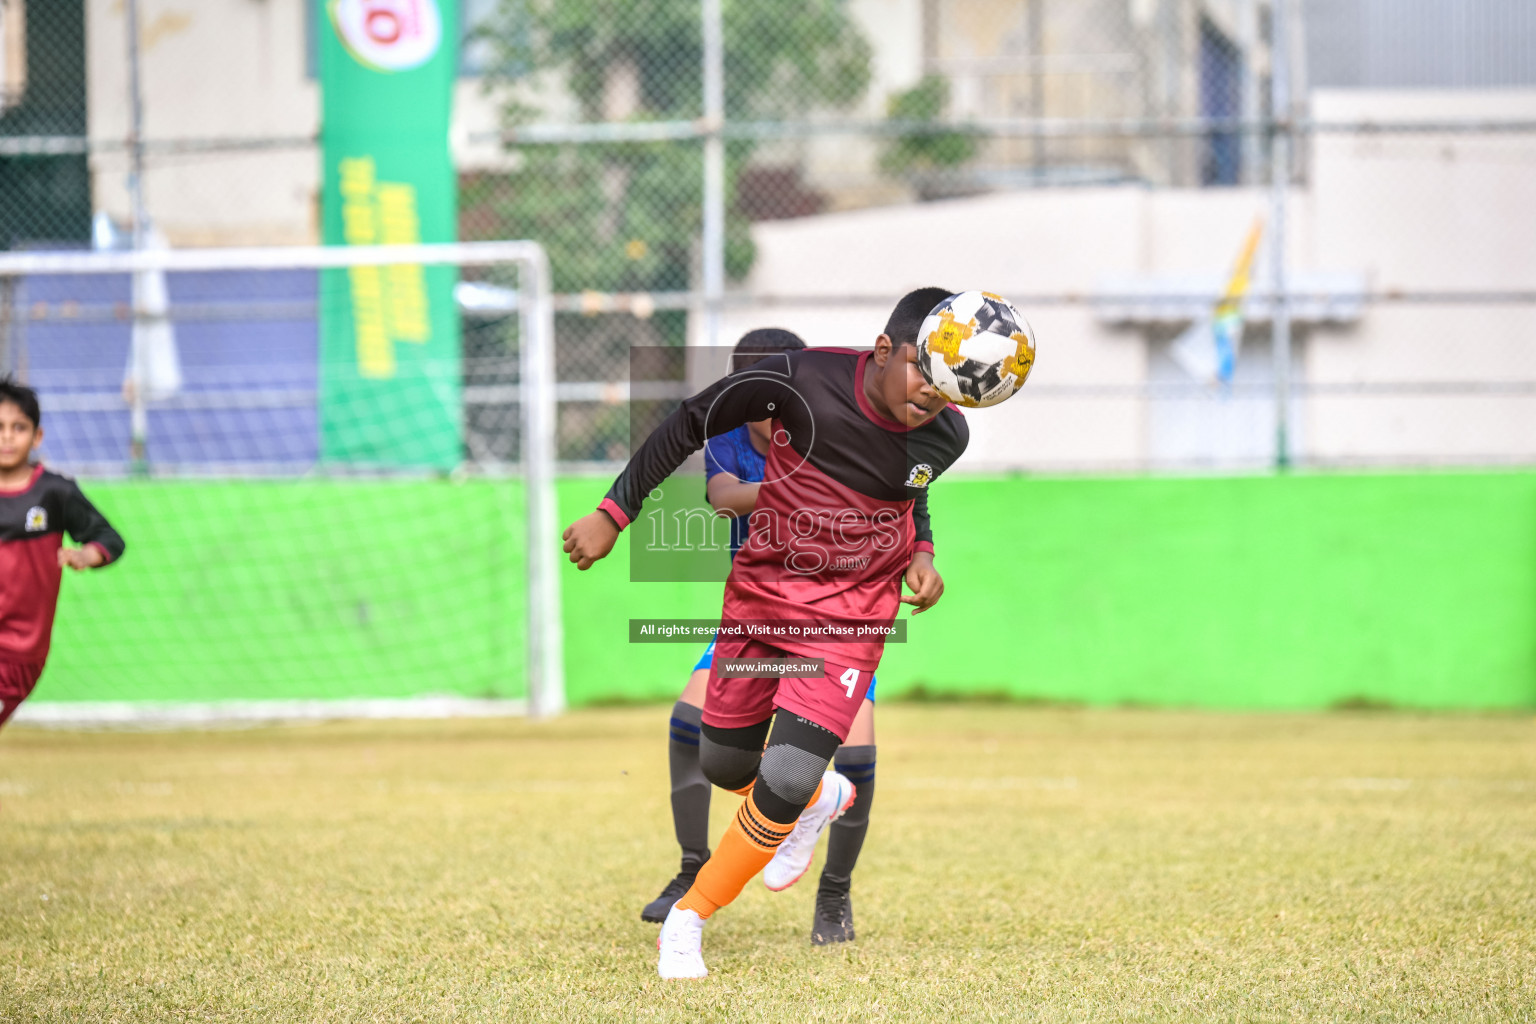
(33, 521)
(843, 503)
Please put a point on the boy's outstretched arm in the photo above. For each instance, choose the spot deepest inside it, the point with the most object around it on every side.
(718, 409)
(99, 543)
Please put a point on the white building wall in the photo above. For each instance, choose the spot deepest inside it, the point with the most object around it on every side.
(1048, 251)
(1413, 213)
(1016, 244)
(216, 69)
(229, 69)
(1427, 213)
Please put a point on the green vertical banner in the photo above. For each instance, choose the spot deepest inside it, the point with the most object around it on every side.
(390, 373)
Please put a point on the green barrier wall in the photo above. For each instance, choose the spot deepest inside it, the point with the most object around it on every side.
(287, 590)
(1266, 592)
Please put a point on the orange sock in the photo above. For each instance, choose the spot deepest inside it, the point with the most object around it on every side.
(746, 848)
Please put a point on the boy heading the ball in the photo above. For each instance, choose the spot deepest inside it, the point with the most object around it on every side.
(36, 509)
(839, 522)
(734, 465)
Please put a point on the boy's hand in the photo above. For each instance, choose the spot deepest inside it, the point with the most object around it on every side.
(80, 558)
(589, 538)
(925, 582)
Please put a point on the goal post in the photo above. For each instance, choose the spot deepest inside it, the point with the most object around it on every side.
(165, 371)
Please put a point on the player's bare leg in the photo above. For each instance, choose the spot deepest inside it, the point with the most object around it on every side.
(690, 795)
(833, 920)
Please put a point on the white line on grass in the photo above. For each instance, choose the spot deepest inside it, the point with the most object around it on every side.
(979, 782)
(125, 714)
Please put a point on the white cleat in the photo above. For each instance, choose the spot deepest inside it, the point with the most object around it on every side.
(793, 857)
(680, 945)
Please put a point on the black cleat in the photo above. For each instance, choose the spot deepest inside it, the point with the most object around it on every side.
(657, 910)
(834, 916)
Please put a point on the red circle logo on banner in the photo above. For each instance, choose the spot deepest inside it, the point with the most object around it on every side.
(388, 35)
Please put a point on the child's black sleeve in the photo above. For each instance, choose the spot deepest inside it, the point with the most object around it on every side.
(88, 526)
(754, 394)
(922, 528)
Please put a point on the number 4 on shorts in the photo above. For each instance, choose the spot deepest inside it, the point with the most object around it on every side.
(850, 679)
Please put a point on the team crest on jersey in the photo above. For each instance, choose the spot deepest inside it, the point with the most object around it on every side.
(920, 475)
(37, 519)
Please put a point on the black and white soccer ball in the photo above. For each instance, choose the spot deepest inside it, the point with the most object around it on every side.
(975, 349)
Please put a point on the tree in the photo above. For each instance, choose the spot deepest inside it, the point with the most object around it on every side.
(924, 157)
(625, 216)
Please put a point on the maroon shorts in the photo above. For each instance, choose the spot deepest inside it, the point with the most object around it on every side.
(16, 682)
(830, 699)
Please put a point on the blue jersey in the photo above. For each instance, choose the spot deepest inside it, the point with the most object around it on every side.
(733, 453)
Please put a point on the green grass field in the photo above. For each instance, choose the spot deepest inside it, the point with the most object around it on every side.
(1023, 864)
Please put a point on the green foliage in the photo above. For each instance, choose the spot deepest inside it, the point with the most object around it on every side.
(626, 216)
(780, 58)
(920, 151)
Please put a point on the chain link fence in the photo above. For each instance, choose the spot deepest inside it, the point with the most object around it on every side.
(1102, 163)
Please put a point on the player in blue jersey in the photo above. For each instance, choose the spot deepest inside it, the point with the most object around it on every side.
(733, 465)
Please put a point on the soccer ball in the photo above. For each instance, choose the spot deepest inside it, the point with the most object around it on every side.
(975, 349)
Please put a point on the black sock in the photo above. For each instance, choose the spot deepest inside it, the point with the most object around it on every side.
(847, 832)
(690, 789)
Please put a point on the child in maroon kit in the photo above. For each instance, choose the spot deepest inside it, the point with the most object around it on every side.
(36, 509)
(840, 522)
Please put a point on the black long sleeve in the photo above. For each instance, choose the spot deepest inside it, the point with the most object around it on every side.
(760, 392)
(86, 525)
(922, 526)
